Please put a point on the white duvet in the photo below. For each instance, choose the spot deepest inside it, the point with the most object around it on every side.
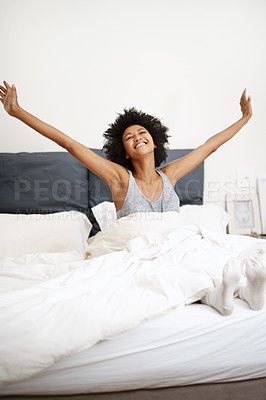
(53, 305)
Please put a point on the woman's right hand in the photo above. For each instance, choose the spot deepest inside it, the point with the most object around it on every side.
(8, 96)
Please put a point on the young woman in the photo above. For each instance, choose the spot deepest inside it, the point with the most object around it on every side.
(135, 147)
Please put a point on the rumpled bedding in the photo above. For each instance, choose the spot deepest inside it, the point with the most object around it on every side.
(54, 305)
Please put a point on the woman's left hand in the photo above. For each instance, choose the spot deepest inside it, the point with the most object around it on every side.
(245, 105)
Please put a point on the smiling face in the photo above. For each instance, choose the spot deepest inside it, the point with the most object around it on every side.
(137, 141)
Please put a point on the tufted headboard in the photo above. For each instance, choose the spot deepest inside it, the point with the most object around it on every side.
(47, 182)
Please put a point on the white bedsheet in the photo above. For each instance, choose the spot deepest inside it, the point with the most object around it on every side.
(181, 347)
(68, 312)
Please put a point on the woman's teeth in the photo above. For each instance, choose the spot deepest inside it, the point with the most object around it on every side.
(140, 144)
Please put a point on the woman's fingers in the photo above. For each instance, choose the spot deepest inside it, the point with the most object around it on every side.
(245, 104)
(8, 97)
(2, 92)
(244, 100)
(243, 93)
(243, 96)
(3, 89)
(7, 92)
(6, 85)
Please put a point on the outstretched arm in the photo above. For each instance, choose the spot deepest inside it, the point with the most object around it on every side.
(10, 102)
(183, 165)
(107, 170)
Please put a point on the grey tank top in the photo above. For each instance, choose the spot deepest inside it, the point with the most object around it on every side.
(135, 201)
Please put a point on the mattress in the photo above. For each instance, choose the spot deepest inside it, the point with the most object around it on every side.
(184, 346)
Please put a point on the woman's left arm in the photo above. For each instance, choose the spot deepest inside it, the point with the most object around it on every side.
(175, 170)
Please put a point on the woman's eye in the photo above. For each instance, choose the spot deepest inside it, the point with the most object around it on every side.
(129, 137)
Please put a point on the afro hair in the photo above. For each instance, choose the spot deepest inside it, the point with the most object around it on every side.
(113, 144)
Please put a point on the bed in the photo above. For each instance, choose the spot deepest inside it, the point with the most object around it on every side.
(190, 352)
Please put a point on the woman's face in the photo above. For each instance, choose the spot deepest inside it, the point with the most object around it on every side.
(137, 141)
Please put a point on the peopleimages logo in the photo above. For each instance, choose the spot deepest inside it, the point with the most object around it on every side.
(45, 190)
(217, 189)
(47, 215)
(147, 216)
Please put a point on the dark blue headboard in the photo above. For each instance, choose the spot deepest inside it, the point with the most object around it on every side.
(47, 182)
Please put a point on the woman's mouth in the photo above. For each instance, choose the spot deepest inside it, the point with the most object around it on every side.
(140, 145)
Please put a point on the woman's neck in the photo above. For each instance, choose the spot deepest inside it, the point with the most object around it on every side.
(144, 170)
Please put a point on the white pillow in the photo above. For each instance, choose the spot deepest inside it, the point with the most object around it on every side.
(214, 217)
(117, 235)
(105, 214)
(210, 219)
(56, 232)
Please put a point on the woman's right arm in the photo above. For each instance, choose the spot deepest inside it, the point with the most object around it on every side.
(107, 170)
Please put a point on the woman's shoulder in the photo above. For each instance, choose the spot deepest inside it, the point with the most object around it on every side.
(123, 174)
(170, 178)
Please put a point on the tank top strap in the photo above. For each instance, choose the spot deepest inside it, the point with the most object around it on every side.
(131, 183)
(164, 176)
(131, 178)
(160, 172)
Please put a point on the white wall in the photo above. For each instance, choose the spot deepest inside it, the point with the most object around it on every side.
(77, 63)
